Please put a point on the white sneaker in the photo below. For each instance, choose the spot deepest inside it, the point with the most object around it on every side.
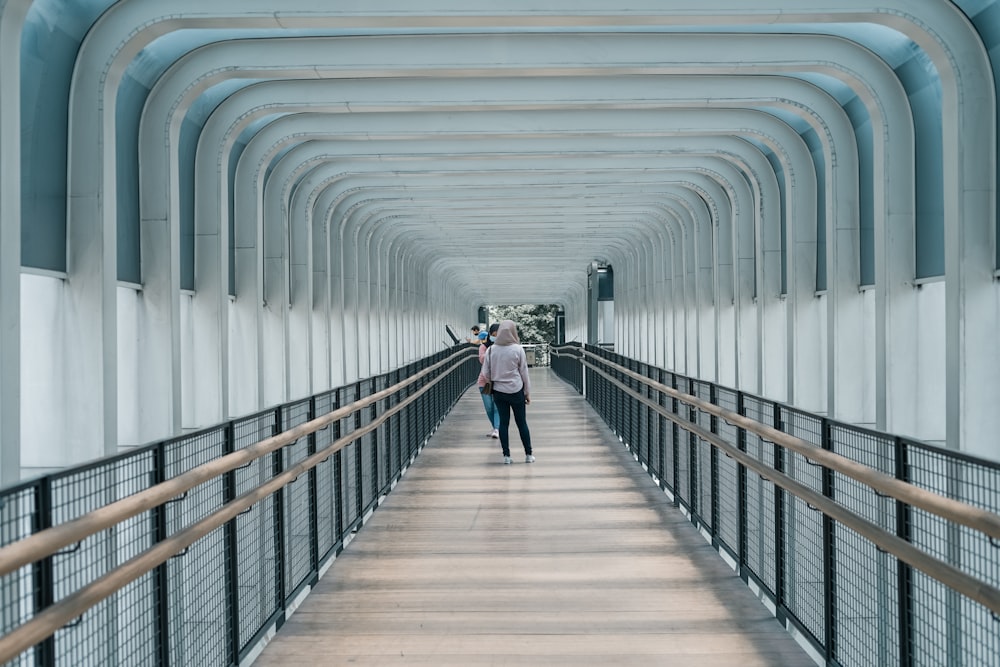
(495, 433)
(529, 459)
(506, 460)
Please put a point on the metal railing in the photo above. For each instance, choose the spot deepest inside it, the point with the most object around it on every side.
(877, 549)
(188, 551)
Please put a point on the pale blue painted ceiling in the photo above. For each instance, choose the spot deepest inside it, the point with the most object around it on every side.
(55, 29)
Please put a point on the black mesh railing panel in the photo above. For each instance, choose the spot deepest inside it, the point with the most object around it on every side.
(855, 603)
(947, 626)
(975, 483)
(703, 390)
(803, 525)
(350, 483)
(212, 601)
(949, 629)
(761, 534)
(658, 427)
(867, 622)
(326, 498)
(183, 455)
(763, 412)
(804, 565)
(254, 428)
(395, 431)
(761, 554)
(326, 508)
(384, 456)
(729, 500)
(296, 500)
(875, 451)
(256, 569)
(706, 497)
(683, 464)
(349, 467)
(137, 617)
(728, 475)
(93, 638)
(198, 618)
(197, 578)
(19, 592)
(368, 470)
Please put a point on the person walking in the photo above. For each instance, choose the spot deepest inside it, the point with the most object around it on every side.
(507, 366)
(488, 403)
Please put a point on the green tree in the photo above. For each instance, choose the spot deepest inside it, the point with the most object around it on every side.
(535, 324)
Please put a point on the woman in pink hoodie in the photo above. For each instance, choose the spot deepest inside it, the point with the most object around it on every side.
(506, 364)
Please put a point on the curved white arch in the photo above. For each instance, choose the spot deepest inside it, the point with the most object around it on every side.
(831, 244)
(970, 202)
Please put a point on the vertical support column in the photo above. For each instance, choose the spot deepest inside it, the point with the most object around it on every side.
(12, 15)
(592, 294)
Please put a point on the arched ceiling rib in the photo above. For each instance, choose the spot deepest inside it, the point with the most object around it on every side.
(618, 94)
(145, 41)
(901, 84)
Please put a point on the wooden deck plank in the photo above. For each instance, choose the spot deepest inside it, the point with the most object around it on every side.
(576, 559)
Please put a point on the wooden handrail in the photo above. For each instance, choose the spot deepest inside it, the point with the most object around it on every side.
(46, 622)
(947, 508)
(947, 574)
(46, 542)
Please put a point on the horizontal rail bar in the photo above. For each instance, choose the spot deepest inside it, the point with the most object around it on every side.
(46, 542)
(950, 576)
(967, 515)
(45, 623)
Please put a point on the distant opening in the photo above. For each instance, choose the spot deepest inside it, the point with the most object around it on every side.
(536, 327)
(535, 324)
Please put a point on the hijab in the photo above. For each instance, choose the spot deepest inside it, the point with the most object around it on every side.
(491, 335)
(507, 333)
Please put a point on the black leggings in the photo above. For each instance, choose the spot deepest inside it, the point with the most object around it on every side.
(505, 403)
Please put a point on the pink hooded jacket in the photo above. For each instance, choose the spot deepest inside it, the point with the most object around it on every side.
(505, 362)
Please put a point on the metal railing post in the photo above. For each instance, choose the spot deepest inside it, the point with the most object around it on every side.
(675, 444)
(313, 499)
(779, 521)
(741, 487)
(904, 572)
(231, 548)
(280, 559)
(338, 475)
(359, 474)
(829, 555)
(41, 572)
(692, 453)
(376, 485)
(713, 397)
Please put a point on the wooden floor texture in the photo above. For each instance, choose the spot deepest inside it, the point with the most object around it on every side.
(576, 559)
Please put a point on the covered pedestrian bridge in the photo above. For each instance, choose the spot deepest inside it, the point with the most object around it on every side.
(769, 227)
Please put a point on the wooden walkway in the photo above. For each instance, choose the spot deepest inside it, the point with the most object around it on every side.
(576, 559)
